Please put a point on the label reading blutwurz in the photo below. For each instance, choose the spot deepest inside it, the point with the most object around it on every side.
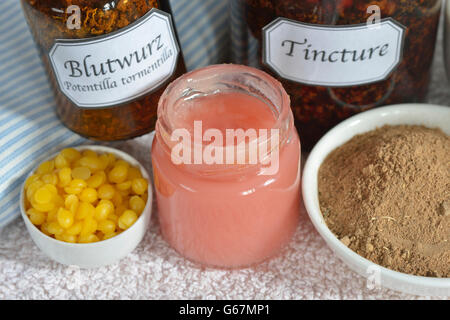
(120, 66)
(333, 56)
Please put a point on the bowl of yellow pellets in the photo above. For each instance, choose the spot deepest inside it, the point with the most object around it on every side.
(87, 206)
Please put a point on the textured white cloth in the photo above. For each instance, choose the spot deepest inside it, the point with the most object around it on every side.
(306, 269)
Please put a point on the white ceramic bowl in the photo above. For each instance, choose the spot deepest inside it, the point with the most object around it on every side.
(413, 114)
(97, 254)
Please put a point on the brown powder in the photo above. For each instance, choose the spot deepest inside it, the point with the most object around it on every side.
(386, 195)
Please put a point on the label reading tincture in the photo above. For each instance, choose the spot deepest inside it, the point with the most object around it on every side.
(333, 56)
(118, 67)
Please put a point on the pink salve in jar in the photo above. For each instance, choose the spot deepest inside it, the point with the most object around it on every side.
(226, 197)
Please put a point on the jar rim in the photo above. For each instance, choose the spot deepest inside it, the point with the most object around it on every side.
(185, 83)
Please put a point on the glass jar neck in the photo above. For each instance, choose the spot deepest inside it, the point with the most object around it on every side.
(226, 78)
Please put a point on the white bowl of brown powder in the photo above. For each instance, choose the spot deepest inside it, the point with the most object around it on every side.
(377, 189)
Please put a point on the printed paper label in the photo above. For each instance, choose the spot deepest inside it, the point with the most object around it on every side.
(120, 66)
(333, 56)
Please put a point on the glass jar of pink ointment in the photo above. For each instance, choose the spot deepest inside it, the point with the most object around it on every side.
(226, 161)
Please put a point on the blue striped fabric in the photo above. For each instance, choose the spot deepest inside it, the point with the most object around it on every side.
(244, 47)
(29, 128)
(203, 29)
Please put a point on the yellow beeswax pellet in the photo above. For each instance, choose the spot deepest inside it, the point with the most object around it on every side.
(65, 176)
(65, 218)
(84, 211)
(106, 191)
(134, 173)
(114, 217)
(43, 195)
(107, 226)
(118, 174)
(117, 199)
(121, 162)
(71, 154)
(78, 183)
(89, 153)
(125, 195)
(45, 167)
(75, 229)
(75, 186)
(104, 161)
(89, 238)
(104, 209)
(137, 204)
(82, 173)
(120, 209)
(126, 185)
(59, 237)
(52, 215)
(32, 188)
(51, 188)
(58, 201)
(127, 219)
(71, 190)
(111, 158)
(89, 226)
(88, 195)
(97, 179)
(44, 229)
(93, 163)
(109, 235)
(71, 203)
(31, 179)
(69, 238)
(50, 178)
(43, 207)
(36, 217)
(139, 186)
(55, 228)
(61, 162)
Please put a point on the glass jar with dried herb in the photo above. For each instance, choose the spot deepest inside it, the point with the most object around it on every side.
(108, 61)
(340, 57)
